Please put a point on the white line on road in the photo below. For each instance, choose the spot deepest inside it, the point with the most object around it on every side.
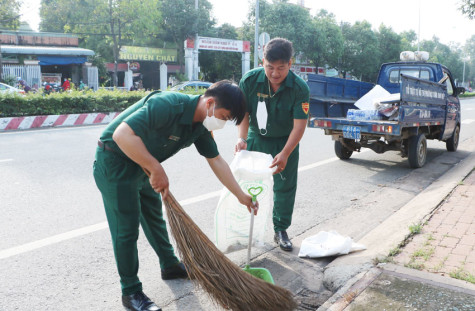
(9, 252)
(468, 121)
(6, 160)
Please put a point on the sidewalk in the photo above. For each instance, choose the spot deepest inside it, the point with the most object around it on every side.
(433, 270)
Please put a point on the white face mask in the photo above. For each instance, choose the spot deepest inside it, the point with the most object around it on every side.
(261, 116)
(212, 123)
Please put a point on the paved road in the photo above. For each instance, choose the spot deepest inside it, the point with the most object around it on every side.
(55, 249)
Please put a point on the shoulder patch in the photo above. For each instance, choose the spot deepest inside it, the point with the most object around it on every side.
(305, 107)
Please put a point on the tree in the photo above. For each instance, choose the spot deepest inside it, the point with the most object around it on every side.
(9, 14)
(181, 21)
(327, 46)
(116, 21)
(389, 44)
(217, 65)
(468, 8)
(408, 40)
(361, 53)
(9, 19)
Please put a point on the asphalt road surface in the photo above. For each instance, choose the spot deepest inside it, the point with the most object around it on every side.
(55, 249)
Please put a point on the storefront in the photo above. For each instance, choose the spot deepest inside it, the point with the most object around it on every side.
(141, 66)
(45, 57)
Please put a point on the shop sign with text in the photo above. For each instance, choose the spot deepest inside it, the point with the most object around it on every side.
(148, 54)
(217, 44)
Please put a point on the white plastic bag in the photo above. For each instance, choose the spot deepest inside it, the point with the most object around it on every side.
(231, 221)
(366, 102)
(330, 243)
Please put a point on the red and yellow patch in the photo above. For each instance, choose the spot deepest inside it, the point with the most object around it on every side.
(305, 107)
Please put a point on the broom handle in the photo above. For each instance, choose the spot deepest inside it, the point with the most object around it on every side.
(251, 227)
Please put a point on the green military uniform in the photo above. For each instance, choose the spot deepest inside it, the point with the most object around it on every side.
(164, 122)
(288, 103)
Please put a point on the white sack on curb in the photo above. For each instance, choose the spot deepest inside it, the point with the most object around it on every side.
(330, 243)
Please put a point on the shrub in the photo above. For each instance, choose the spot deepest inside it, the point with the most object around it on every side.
(34, 104)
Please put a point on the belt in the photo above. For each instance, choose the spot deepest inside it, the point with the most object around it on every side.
(104, 146)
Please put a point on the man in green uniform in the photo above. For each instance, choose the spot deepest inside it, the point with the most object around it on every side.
(138, 140)
(277, 109)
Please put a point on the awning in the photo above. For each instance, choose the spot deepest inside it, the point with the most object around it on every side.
(61, 60)
(44, 50)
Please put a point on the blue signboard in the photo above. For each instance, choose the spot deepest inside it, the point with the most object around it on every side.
(422, 91)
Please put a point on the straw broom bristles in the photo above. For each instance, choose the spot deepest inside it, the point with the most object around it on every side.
(226, 283)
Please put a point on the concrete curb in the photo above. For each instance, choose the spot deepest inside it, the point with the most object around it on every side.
(394, 230)
(34, 122)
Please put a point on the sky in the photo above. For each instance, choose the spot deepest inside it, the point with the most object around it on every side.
(439, 18)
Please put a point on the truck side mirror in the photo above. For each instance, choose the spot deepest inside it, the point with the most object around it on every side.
(460, 90)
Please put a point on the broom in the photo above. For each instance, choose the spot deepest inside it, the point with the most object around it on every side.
(226, 283)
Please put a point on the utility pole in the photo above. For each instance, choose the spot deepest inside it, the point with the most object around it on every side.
(195, 49)
(256, 35)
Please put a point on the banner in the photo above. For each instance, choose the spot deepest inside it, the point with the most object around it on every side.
(226, 45)
(148, 54)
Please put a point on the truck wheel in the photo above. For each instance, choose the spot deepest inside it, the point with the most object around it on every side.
(417, 154)
(453, 142)
(341, 151)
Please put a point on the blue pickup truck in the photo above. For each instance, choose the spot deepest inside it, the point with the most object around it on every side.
(425, 106)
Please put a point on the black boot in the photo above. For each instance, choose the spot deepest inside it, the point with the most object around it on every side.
(283, 240)
(178, 271)
(139, 302)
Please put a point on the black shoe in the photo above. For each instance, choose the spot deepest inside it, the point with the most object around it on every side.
(139, 302)
(283, 240)
(178, 271)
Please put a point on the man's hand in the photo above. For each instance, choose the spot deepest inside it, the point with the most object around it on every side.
(240, 145)
(247, 200)
(279, 162)
(159, 181)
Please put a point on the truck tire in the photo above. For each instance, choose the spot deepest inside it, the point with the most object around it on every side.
(417, 154)
(453, 142)
(341, 151)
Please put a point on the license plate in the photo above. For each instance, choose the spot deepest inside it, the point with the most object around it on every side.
(353, 132)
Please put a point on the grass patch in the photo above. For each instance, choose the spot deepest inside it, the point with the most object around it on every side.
(423, 253)
(463, 275)
(415, 228)
(415, 265)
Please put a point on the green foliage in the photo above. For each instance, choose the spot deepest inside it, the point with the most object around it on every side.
(415, 228)
(468, 8)
(463, 275)
(9, 14)
(15, 105)
(216, 65)
(361, 53)
(181, 20)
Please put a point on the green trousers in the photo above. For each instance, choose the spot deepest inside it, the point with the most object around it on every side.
(285, 183)
(130, 201)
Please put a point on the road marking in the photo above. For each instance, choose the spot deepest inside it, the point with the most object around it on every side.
(9, 252)
(6, 160)
(468, 121)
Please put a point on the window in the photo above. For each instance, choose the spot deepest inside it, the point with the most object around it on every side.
(448, 84)
(395, 74)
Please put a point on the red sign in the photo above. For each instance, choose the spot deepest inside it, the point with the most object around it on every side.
(134, 66)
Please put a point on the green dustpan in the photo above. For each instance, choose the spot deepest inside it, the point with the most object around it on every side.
(260, 273)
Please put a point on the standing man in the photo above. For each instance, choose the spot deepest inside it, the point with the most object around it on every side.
(277, 110)
(141, 138)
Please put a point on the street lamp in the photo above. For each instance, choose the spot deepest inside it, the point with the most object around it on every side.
(256, 34)
(464, 59)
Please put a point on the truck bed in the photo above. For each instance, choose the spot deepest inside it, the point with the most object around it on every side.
(422, 103)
